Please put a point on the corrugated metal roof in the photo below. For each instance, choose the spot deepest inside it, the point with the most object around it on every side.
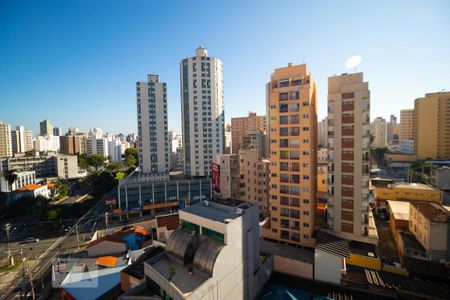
(332, 244)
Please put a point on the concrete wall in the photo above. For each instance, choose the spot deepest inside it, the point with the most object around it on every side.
(293, 267)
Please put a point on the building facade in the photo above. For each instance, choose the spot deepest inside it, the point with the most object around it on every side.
(406, 124)
(73, 143)
(202, 112)
(240, 127)
(322, 133)
(431, 132)
(153, 132)
(292, 102)
(5, 140)
(46, 128)
(348, 155)
(378, 128)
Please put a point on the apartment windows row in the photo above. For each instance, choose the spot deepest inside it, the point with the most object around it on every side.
(286, 154)
(292, 201)
(289, 82)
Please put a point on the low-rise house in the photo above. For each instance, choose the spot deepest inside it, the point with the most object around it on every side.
(119, 242)
(411, 192)
(430, 224)
(23, 179)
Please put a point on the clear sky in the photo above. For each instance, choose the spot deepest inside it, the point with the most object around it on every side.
(76, 62)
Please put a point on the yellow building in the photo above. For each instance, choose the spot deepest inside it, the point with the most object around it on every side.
(431, 132)
(292, 102)
(406, 124)
(406, 192)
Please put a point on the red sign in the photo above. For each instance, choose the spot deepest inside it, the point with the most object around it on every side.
(215, 174)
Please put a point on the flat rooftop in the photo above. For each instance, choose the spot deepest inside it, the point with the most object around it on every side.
(399, 209)
(361, 248)
(184, 281)
(418, 186)
(292, 252)
(217, 211)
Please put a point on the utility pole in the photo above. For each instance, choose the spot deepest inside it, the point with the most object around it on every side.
(78, 238)
(106, 219)
(7, 228)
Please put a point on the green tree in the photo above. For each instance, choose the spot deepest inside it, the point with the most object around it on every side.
(130, 160)
(62, 190)
(115, 166)
(96, 160)
(82, 162)
(30, 153)
(10, 177)
(133, 152)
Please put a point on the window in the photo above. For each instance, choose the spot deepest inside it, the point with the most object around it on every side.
(295, 95)
(283, 120)
(284, 96)
(283, 83)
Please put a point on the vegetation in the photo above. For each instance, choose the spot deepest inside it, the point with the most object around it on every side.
(115, 167)
(131, 157)
(96, 160)
(378, 155)
(62, 190)
(10, 177)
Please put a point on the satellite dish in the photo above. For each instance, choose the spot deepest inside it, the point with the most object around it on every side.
(353, 61)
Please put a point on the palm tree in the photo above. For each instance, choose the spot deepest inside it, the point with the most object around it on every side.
(10, 177)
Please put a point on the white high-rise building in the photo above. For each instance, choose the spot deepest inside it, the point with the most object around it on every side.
(5, 140)
(18, 140)
(202, 112)
(115, 150)
(378, 128)
(48, 143)
(46, 128)
(152, 126)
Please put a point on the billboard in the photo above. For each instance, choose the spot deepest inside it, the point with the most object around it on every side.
(215, 174)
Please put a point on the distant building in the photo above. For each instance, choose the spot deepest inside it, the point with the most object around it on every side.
(240, 127)
(440, 178)
(406, 124)
(255, 139)
(57, 131)
(22, 140)
(215, 255)
(202, 112)
(407, 146)
(431, 134)
(5, 140)
(48, 143)
(378, 128)
(73, 143)
(229, 174)
(152, 126)
(322, 133)
(46, 128)
(115, 150)
(50, 165)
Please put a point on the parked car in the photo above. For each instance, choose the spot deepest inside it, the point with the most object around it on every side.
(31, 240)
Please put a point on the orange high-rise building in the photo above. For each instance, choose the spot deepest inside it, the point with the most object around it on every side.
(292, 102)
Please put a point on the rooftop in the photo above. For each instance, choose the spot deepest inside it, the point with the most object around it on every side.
(399, 209)
(433, 212)
(295, 253)
(332, 244)
(413, 185)
(219, 212)
(364, 249)
(171, 222)
(31, 187)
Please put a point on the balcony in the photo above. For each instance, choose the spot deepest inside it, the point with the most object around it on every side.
(348, 107)
(347, 193)
(347, 217)
(348, 119)
(347, 180)
(347, 156)
(348, 144)
(348, 95)
(347, 204)
(348, 131)
(347, 169)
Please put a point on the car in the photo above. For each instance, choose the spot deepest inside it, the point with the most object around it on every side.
(31, 240)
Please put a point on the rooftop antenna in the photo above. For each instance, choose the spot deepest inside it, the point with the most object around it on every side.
(353, 62)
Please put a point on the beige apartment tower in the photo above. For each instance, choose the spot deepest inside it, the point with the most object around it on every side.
(240, 127)
(431, 126)
(348, 155)
(5, 140)
(406, 124)
(292, 102)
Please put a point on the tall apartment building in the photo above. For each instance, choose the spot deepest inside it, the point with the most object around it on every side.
(322, 129)
(378, 128)
(57, 131)
(348, 155)
(430, 130)
(406, 124)
(240, 127)
(46, 128)
(229, 175)
(18, 140)
(72, 143)
(5, 140)
(257, 140)
(392, 131)
(292, 102)
(202, 112)
(152, 126)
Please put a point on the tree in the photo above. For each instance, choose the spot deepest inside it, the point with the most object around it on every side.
(115, 166)
(133, 152)
(130, 160)
(30, 153)
(82, 162)
(10, 177)
(96, 161)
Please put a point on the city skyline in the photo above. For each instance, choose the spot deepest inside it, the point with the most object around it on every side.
(40, 44)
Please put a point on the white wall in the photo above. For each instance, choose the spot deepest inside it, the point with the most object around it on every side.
(327, 267)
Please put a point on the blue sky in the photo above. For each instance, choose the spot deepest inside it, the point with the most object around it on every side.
(76, 62)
